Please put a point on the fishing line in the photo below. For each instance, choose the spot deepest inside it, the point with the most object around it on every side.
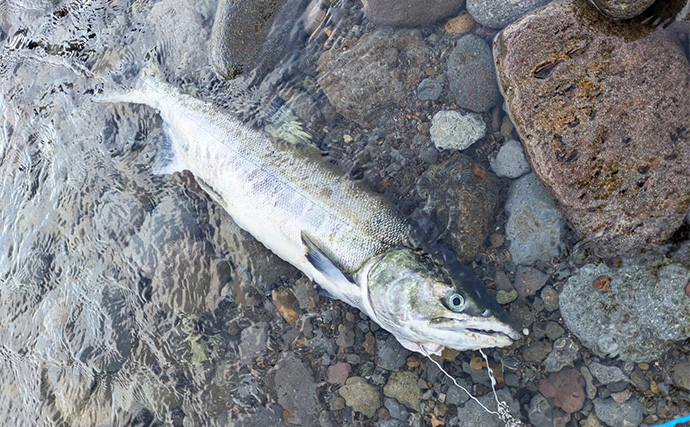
(503, 410)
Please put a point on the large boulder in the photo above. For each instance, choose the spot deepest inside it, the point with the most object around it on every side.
(602, 109)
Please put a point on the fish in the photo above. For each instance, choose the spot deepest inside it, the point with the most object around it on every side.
(346, 238)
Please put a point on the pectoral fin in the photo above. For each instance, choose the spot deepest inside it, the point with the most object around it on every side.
(324, 265)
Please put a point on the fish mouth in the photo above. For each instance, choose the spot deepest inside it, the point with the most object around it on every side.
(497, 331)
(493, 333)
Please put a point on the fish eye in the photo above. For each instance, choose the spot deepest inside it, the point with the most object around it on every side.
(455, 301)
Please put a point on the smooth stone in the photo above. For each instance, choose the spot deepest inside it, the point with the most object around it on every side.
(627, 414)
(499, 13)
(361, 396)
(529, 280)
(451, 130)
(471, 74)
(429, 90)
(601, 107)
(296, 390)
(510, 162)
(409, 13)
(681, 375)
(396, 410)
(461, 24)
(402, 386)
(622, 9)
(607, 374)
(338, 373)
(566, 388)
(550, 297)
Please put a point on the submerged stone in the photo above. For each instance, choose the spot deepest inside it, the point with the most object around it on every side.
(499, 13)
(645, 311)
(601, 107)
(622, 9)
(409, 13)
(471, 74)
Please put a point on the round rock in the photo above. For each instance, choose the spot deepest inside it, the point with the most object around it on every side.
(623, 9)
(429, 90)
(510, 162)
(499, 13)
(601, 108)
(409, 13)
(456, 131)
(471, 74)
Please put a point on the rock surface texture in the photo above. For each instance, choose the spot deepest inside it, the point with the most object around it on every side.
(409, 13)
(601, 107)
(623, 9)
(499, 13)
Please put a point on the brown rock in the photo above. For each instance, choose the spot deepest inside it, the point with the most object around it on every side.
(566, 388)
(623, 9)
(461, 24)
(338, 373)
(284, 301)
(529, 280)
(602, 110)
(602, 284)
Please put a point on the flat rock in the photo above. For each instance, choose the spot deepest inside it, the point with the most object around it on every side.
(565, 352)
(361, 396)
(470, 74)
(452, 130)
(607, 374)
(409, 13)
(601, 108)
(499, 13)
(644, 312)
(253, 342)
(461, 196)
(681, 375)
(402, 386)
(540, 412)
(296, 390)
(388, 64)
(338, 373)
(627, 414)
(622, 9)
(529, 280)
(391, 355)
(566, 388)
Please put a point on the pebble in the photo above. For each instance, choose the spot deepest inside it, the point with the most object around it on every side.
(408, 13)
(622, 9)
(253, 342)
(590, 388)
(681, 375)
(590, 421)
(510, 162)
(540, 413)
(396, 410)
(621, 396)
(461, 24)
(338, 373)
(296, 390)
(618, 200)
(607, 374)
(361, 396)
(565, 352)
(534, 225)
(471, 75)
(566, 388)
(455, 395)
(554, 331)
(346, 337)
(391, 355)
(630, 413)
(429, 90)
(645, 311)
(402, 386)
(451, 130)
(474, 415)
(537, 351)
(499, 13)
(284, 300)
(505, 297)
(550, 297)
(529, 280)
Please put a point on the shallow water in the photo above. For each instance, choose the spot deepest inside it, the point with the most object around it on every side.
(122, 293)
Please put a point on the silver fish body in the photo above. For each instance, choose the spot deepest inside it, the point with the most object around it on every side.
(303, 210)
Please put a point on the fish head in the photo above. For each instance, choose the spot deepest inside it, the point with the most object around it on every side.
(427, 309)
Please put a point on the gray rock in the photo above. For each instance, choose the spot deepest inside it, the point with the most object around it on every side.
(499, 13)
(397, 410)
(561, 69)
(462, 197)
(429, 90)
(296, 390)
(409, 13)
(550, 297)
(607, 374)
(554, 331)
(681, 375)
(451, 130)
(565, 352)
(622, 9)
(390, 423)
(253, 341)
(630, 413)
(529, 280)
(471, 74)
(537, 351)
(590, 388)
(361, 396)
(510, 162)
(472, 414)
(644, 312)
(540, 412)
(534, 226)
(346, 337)
(391, 355)
(380, 80)
(455, 395)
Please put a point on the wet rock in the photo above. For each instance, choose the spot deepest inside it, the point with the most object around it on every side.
(346, 337)
(498, 13)
(681, 375)
(455, 395)
(590, 421)
(391, 355)
(529, 280)
(471, 74)
(522, 313)
(510, 162)
(622, 9)
(609, 141)
(395, 409)
(554, 331)
(628, 414)
(338, 373)
(607, 374)
(451, 130)
(429, 90)
(462, 197)
(645, 311)
(537, 351)
(361, 396)
(540, 412)
(565, 352)
(409, 13)
(284, 300)
(506, 297)
(296, 390)
(534, 226)
(621, 396)
(402, 386)
(253, 342)
(461, 24)
(550, 297)
(590, 388)
(566, 388)
(388, 64)
(472, 414)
